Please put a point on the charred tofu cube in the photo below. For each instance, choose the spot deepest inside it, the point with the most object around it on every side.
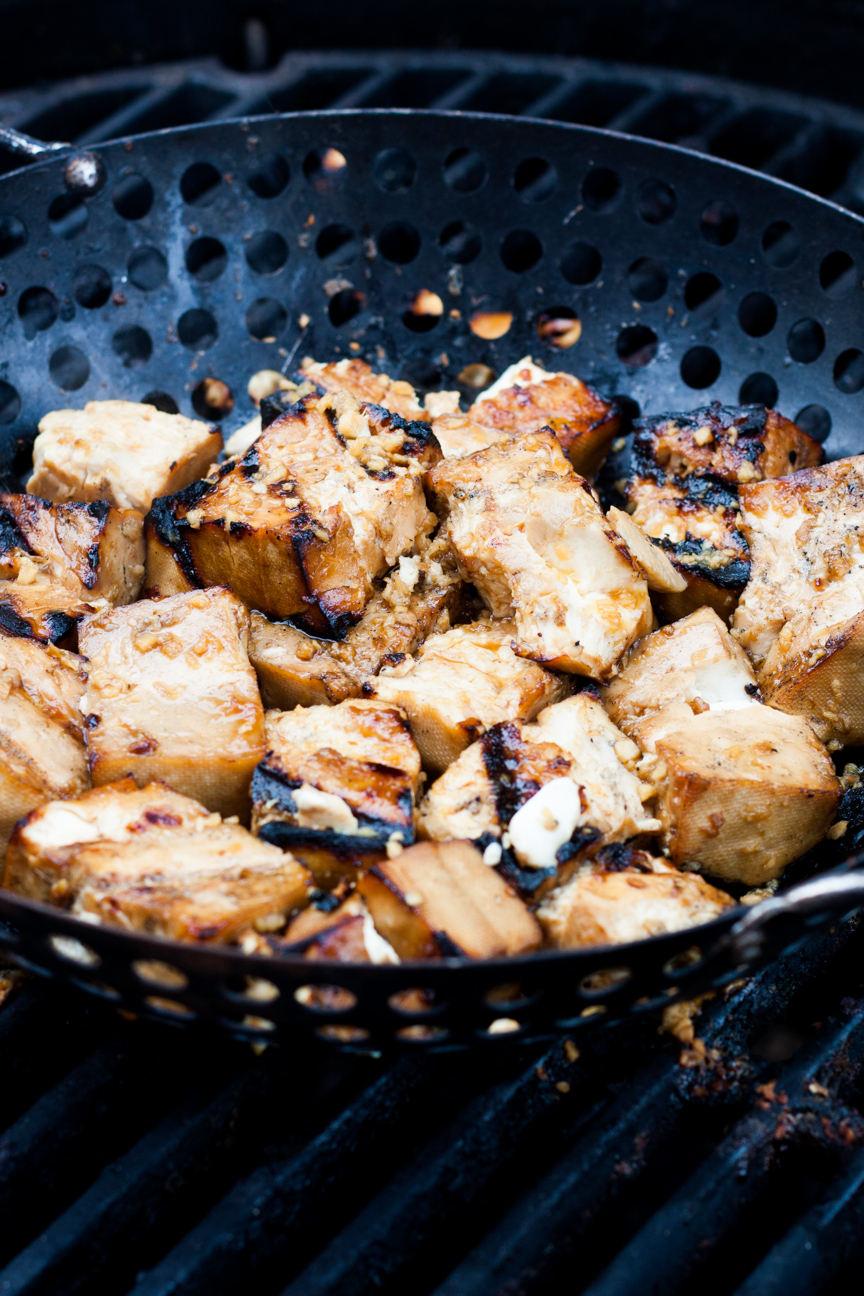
(539, 796)
(41, 739)
(60, 561)
(119, 451)
(526, 398)
(337, 785)
(627, 895)
(532, 537)
(171, 695)
(459, 684)
(438, 899)
(325, 501)
(687, 471)
(295, 669)
(358, 378)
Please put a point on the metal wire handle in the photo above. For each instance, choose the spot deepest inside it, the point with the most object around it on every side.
(16, 142)
(840, 892)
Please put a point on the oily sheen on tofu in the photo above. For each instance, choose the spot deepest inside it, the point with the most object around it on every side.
(172, 695)
(532, 537)
(119, 451)
(358, 378)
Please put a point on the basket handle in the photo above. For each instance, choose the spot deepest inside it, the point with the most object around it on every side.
(21, 145)
(833, 892)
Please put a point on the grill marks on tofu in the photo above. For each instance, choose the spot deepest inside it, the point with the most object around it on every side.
(41, 740)
(119, 451)
(325, 501)
(687, 471)
(532, 537)
(626, 895)
(358, 378)
(171, 695)
(527, 398)
(460, 683)
(60, 561)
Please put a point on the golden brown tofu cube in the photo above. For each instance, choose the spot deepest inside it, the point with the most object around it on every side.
(60, 561)
(337, 785)
(532, 537)
(627, 895)
(687, 471)
(526, 398)
(440, 899)
(325, 501)
(172, 695)
(358, 378)
(460, 683)
(119, 451)
(41, 740)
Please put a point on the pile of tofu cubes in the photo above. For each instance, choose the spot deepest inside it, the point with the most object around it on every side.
(388, 683)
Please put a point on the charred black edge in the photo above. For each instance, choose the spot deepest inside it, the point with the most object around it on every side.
(171, 531)
(345, 846)
(733, 575)
(416, 430)
(11, 535)
(273, 407)
(271, 783)
(13, 624)
(526, 881)
(621, 857)
(501, 746)
(749, 420)
(303, 538)
(56, 626)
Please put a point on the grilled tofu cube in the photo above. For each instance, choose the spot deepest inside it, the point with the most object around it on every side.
(439, 899)
(626, 895)
(325, 501)
(41, 739)
(559, 789)
(345, 934)
(171, 695)
(687, 470)
(532, 537)
(60, 561)
(459, 684)
(358, 378)
(526, 398)
(459, 435)
(119, 451)
(337, 785)
(295, 669)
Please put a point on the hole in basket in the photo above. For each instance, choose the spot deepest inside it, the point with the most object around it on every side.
(504, 1026)
(703, 293)
(581, 263)
(465, 171)
(266, 252)
(849, 371)
(415, 1000)
(269, 176)
(325, 998)
(343, 1034)
(719, 223)
(759, 389)
(509, 994)
(520, 250)
(67, 216)
(647, 279)
(324, 168)
(155, 972)
(806, 341)
(162, 401)
(345, 305)
(199, 184)
(490, 324)
(559, 327)
(682, 963)
(781, 244)
(147, 268)
(212, 399)
(266, 318)
(605, 981)
(657, 202)
(420, 1034)
(394, 170)
(91, 286)
(132, 197)
(37, 310)
(535, 179)
(13, 234)
(170, 1007)
(197, 329)
(206, 258)
(399, 242)
(338, 245)
(837, 274)
(757, 314)
(74, 951)
(601, 189)
(476, 376)
(69, 368)
(250, 988)
(424, 312)
(700, 367)
(10, 403)
(133, 345)
(460, 242)
(636, 345)
(815, 421)
(652, 1003)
